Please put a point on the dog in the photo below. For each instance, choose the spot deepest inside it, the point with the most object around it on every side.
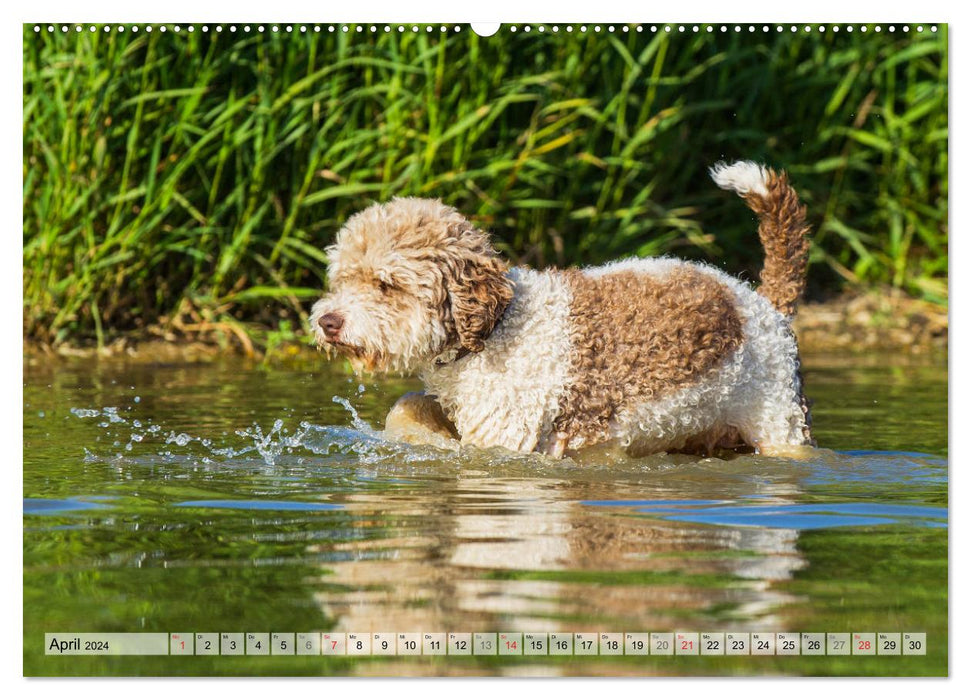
(651, 355)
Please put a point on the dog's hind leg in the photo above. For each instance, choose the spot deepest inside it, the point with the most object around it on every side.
(776, 426)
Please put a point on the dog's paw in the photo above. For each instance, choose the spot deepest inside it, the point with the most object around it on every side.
(800, 452)
(418, 419)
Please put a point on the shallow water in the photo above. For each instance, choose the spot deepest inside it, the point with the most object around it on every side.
(226, 497)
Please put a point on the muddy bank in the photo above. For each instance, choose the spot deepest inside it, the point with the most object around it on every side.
(872, 322)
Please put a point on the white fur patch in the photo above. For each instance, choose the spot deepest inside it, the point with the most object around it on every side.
(655, 267)
(508, 394)
(743, 177)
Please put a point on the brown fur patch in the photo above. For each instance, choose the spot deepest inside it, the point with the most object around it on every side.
(785, 237)
(478, 294)
(639, 337)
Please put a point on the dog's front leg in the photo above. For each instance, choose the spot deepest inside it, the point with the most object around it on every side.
(557, 445)
(417, 418)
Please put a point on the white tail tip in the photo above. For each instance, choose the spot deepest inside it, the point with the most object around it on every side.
(743, 176)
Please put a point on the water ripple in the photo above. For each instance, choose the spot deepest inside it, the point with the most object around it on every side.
(260, 505)
(806, 516)
(51, 506)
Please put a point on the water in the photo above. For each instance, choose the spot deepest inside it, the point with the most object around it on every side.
(225, 497)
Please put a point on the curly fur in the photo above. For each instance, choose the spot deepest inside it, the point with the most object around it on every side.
(637, 338)
(509, 393)
(412, 279)
(783, 230)
(654, 354)
(753, 396)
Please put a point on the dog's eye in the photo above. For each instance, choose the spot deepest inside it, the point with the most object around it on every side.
(385, 287)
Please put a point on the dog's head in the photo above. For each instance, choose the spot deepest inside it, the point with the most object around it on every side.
(409, 280)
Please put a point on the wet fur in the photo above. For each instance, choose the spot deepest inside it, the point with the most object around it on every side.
(637, 337)
(655, 354)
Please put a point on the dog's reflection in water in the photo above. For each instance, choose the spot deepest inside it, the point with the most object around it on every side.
(483, 553)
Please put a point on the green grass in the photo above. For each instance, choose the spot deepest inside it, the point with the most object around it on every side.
(187, 182)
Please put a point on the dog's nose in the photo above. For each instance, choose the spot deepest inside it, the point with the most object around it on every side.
(331, 324)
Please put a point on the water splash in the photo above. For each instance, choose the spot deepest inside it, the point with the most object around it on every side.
(367, 445)
(111, 413)
(182, 439)
(267, 446)
(359, 438)
(356, 420)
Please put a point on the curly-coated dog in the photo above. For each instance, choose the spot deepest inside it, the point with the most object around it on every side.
(652, 354)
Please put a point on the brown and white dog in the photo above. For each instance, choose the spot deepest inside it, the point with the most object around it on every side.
(652, 354)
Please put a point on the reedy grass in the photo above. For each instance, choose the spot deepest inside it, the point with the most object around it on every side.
(191, 181)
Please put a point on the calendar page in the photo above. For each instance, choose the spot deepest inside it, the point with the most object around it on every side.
(514, 348)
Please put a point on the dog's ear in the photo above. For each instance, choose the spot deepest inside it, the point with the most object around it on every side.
(478, 293)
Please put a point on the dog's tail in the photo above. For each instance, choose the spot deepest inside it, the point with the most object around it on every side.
(782, 228)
